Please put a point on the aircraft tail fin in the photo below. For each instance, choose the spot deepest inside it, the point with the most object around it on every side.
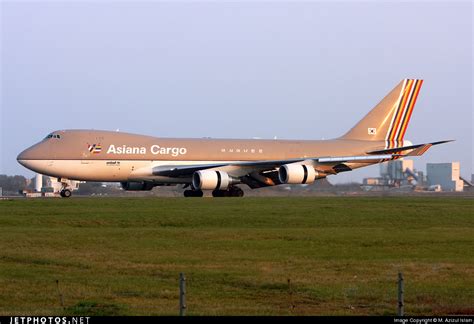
(388, 120)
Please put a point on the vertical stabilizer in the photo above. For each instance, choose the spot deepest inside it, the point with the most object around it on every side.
(388, 121)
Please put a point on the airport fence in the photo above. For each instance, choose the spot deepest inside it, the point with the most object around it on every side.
(95, 308)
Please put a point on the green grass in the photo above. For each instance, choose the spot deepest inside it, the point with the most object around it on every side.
(342, 255)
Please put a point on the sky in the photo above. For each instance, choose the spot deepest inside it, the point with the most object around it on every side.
(291, 70)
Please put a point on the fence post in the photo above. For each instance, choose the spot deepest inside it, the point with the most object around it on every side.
(290, 292)
(182, 294)
(61, 297)
(401, 291)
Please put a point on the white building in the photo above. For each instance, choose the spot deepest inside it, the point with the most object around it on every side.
(447, 175)
(38, 182)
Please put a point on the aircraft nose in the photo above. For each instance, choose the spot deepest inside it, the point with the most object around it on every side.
(33, 157)
(28, 154)
(22, 156)
(38, 151)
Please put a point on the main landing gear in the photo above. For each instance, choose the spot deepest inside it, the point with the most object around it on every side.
(231, 192)
(193, 193)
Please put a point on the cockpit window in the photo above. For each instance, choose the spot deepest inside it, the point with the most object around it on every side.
(53, 136)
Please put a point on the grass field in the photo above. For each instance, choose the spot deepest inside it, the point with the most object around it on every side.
(342, 255)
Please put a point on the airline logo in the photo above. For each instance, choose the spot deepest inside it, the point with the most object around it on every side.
(94, 148)
(141, 150)
(372, 131)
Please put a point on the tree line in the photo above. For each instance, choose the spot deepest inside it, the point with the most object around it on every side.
(13, 184)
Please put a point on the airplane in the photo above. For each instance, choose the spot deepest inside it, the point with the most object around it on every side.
(142, 162)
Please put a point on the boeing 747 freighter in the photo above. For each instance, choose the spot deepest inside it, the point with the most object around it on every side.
(141, 162)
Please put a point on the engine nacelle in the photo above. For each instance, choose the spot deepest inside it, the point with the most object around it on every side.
(137, 186)
(297, 174)
(211, 180)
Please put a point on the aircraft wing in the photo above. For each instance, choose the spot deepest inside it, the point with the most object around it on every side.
(252, 166)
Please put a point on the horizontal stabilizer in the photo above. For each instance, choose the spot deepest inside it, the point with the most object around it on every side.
(416, 150)
(420, 151)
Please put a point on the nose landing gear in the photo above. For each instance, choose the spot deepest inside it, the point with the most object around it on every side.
(65, 193)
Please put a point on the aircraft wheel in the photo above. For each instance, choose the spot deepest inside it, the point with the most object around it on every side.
(236, 192)
(193, 193)
(219, 193)
(66, 193)
(231, 192)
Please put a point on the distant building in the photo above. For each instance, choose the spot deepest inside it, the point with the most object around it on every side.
(38, 182)
(373, 182)
(447, 175)
(396, 170)
(396, 173)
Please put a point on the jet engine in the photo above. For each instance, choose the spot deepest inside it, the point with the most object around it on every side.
(212, 180)
(137, 186)
(297, 174)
